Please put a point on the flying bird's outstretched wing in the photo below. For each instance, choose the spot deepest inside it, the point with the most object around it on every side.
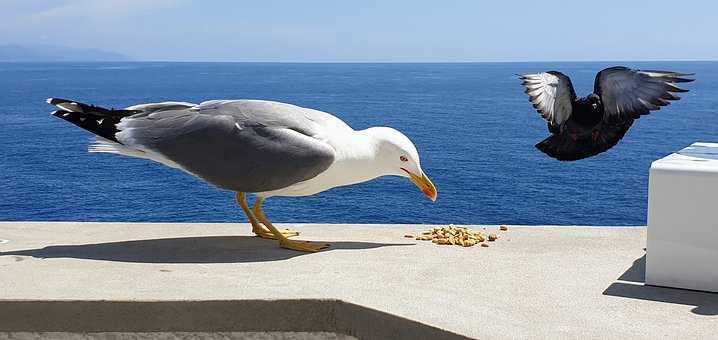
(552, 95)
(628, 94)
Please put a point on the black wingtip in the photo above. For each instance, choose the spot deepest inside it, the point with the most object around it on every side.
(674, 88)
(55, 101)
(681, 80)
(674, 77)
(67, 105)
(78, 107)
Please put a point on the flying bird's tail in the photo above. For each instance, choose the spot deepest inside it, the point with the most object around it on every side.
(98, 120)
(566, 146)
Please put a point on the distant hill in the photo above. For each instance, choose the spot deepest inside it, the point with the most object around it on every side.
(31, 53)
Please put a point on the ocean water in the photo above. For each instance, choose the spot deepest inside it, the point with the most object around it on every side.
(472, 124)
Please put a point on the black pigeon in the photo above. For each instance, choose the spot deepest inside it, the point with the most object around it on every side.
(584, 127)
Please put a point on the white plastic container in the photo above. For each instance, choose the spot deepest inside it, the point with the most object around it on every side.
(682, 246)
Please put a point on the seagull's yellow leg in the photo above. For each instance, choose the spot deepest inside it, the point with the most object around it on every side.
(264, 232)
(284, 242)
(258, 228)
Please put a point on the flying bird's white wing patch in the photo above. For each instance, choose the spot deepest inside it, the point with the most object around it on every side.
(551, 95)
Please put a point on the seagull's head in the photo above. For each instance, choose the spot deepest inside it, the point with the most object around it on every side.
(398, 156)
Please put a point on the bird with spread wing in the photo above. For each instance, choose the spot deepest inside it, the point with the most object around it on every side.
(252, 146)
(585, 127)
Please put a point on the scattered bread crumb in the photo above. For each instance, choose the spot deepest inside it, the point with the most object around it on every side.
(456, 235)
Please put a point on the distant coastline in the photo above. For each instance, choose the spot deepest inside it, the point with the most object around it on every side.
(139, 61)
(18, 53)
(51, 53)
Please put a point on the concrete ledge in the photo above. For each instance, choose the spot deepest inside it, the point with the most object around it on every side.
(534, 282)
(175, 336)
(211, 317)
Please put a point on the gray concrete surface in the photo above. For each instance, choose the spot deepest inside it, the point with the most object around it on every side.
(534, 282)
(175, 336)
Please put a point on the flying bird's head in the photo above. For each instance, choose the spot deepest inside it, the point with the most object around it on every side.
(594, 100)
(399, 157)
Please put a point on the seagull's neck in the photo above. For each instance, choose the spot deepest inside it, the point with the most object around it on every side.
(358, 157)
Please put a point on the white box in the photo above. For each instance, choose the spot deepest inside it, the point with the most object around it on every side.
(682, 246)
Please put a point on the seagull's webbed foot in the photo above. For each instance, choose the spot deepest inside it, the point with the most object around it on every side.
(264, 232)
(302, 245)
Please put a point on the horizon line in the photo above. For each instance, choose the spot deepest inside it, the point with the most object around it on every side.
(358, 61)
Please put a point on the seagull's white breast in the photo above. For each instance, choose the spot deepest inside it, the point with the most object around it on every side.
(353, 163)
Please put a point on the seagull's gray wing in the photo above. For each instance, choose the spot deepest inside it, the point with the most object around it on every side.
(247, 146)
(628, 94)
(551, 94)
(163, 106)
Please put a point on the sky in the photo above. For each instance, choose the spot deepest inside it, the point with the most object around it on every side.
(371, 31)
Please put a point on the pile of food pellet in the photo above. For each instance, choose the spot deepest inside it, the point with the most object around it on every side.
(458, 236)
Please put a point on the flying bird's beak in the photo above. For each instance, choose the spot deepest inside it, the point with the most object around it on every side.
(424, 184)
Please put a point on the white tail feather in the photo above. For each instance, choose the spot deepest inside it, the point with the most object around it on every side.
(102, 145)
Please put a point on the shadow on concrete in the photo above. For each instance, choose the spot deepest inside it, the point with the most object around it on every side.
(637, 271)
(632, 285)
(206, 249)
(83, 318)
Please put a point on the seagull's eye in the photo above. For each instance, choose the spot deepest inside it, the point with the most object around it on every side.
(404, 159)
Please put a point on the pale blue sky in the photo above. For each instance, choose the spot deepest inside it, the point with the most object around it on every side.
(412, 30)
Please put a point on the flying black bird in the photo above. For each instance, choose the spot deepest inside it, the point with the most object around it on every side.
(585, 127)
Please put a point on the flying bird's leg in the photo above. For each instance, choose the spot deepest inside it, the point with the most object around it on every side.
(258, 228)
(285, 242)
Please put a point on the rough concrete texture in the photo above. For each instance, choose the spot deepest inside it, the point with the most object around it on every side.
(176, 336)
(534, 282)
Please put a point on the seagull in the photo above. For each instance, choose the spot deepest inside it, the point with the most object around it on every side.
(255, 147)
(585, 127)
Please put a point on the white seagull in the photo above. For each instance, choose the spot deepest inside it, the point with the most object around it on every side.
(252, 146)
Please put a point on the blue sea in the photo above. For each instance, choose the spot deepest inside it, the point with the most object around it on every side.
(471, 122)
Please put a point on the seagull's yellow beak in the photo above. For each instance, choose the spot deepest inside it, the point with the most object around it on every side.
(424, 184)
